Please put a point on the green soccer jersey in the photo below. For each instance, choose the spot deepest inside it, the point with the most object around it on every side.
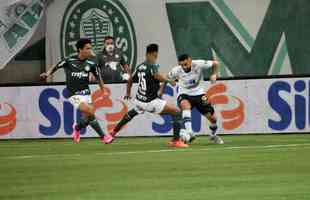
(148, 85)
(77, 74)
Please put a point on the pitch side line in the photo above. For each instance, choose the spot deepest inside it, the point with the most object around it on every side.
(274, 146)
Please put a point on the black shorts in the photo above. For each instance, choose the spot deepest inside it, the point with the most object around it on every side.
(200, 102)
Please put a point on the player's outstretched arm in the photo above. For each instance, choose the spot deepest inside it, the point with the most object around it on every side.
(97, 74)
(162, 89)
(164, 79)
(215, 70)
(101, 84)
(129, 86)
(51, 71)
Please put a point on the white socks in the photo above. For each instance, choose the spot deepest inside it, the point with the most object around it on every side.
(187, 117)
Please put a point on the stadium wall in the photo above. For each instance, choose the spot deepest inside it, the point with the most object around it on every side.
(257, 37)
(260, 106)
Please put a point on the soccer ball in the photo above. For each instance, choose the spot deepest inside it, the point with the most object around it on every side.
(185, 136)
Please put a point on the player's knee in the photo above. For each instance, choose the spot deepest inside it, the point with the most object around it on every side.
(211, 116)
(90, 111)
(213, 127)
(91, 117)
(213, 120)
(131, 114)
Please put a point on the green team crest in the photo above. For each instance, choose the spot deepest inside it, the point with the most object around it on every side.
(96, 19)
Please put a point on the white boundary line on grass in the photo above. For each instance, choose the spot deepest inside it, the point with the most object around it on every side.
(158, 151)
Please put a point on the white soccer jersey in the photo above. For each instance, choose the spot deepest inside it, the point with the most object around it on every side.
(190, 83)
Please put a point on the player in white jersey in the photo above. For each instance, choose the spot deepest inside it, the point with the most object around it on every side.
(189, 74)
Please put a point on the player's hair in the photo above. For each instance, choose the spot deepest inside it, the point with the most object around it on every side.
(80, 44)
(183, 57)
(151, 48)
(109, 37)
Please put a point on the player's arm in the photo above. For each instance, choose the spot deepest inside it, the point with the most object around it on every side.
(206, 64)
(132, 76)
(162, 89)
(215, 70)
(163, 85)
(101, 83)
(161, 78)
(171, 76)
(126, 69)
(128, 88)
(53, 69)
(164, 79)
(98, 75)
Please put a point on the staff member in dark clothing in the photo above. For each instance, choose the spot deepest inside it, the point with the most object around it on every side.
(111, 62)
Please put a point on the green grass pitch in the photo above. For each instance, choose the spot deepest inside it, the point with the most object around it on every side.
(265, 167)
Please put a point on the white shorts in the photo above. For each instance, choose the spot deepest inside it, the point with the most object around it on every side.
(156, 106)
(76, 100)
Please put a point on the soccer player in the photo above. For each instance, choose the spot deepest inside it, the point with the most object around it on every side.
(192, 94)
(77, 70)
(147, 99)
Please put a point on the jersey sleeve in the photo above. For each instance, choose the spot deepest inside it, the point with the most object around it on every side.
(62, 64)
(173, 74)
(205, 64)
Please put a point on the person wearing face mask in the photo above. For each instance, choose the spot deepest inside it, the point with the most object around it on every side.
(189, 74)
(111, 62)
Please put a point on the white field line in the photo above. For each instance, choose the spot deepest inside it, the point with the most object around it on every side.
(270, 147)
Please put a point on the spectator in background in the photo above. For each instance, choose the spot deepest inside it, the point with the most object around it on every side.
(111, 62)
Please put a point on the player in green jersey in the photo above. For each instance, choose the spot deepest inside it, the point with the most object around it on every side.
(147, 97)
(78, 70)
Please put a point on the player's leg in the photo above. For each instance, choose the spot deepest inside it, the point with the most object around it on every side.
(165, 107)
(206, 109)
(178, 125)
(76, 100)
(156, 106)
(213, 127)
(126, 118)
(89, 112)
(177, 122)
(83, 103)
(185, 105)
(138, 109)
(87, 116)
(213, 122)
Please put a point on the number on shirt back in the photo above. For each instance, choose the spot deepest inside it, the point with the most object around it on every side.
(142, 82)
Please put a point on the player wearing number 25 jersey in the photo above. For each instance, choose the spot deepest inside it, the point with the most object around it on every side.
(147, 95)
(147, 98)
